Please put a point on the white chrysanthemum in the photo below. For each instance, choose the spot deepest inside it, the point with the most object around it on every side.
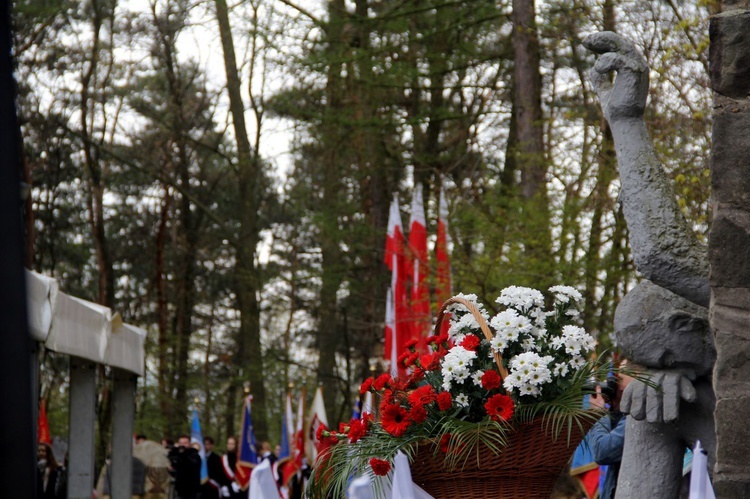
(520, 298)
(461, 322)
(564, 294)
(575, 340)
(462, 400)
(572, 312)
(534, 391)
(577, 362)
(511, 320)
(560, 369)
(456, 364)
(538, 332)
(498, 344)
(477, 378)
(528, 345)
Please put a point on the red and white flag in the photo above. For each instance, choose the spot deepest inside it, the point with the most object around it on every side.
(443, 289)
(317, 418)
(291, 467)
(418, 270)
(43, 425)
(395, 258)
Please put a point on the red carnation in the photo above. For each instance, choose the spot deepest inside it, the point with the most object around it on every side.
(411, 359)
(470, 342)
(418, 414)
(422, 395)
(365, 386)
(379, 383)
(491, 380)
(431, 339)
(395, 419)
(428, 361)
(401, 361)
(411, 344)
(357, 430)
(380, 467)
(444, 400)
(499, 407)
(443, 338)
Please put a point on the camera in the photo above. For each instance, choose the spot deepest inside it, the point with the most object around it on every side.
(608, 388)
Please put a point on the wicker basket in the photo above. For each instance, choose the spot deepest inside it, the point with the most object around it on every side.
(527, 468)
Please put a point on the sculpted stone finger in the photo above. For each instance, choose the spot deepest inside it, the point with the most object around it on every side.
(687, 390)
(604, 41)
(671, 397)
(627, 398)
(613, 61)
(654, 404)
(638, 405)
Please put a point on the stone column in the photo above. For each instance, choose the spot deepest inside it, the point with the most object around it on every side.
(82, 420)
(729, 245)
(123, 418)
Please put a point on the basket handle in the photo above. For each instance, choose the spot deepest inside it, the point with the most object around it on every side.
(482, 324)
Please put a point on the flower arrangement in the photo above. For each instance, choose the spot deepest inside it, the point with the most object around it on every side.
(476, 381)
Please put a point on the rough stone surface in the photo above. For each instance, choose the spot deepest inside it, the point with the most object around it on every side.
(732, 366)
(731, 453)
(658, 329)
(729, 53)
(729, 252)
(729, 247)
(728, 183)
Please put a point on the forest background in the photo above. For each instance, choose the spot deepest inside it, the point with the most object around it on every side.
(220, 174)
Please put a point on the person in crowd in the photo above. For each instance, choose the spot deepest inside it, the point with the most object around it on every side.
(140, 438)
(607, 437)
(185, 467)
(228, 483)
(51, 477)
(266, 454)
(211, 489)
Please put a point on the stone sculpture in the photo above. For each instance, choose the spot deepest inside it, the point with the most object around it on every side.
(662, 323)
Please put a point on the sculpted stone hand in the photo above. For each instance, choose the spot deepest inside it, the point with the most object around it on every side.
(627, 96)
(660, 402)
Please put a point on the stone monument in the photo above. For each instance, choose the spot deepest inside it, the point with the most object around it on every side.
(729, 244)
(662, 323)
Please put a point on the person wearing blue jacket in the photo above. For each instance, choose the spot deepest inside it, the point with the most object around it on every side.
(607, 437)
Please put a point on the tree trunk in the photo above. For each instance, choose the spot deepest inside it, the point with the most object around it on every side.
(530, 156)
(248, 359)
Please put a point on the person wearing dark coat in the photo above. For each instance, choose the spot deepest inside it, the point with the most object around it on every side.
(51, 477)
(212, 488)
(185, 467)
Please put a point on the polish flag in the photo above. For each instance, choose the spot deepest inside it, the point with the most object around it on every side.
(443, 280)
(317, 418)
(395, 259)
(293, 465)
(418, 269)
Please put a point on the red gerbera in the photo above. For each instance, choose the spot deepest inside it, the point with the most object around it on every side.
(428, 361)
(470, 342)
(365, 386)
(380, 382)
(380, 467)
(444, 400)
(491, 380)
(357, 430)
(499, 407)
(395, 419)
(418, 414)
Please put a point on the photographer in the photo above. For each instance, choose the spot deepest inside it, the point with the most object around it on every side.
(185, 467)
(607, 438)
